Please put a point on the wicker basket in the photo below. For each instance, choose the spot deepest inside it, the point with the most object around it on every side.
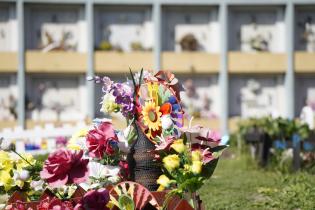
(142, 165)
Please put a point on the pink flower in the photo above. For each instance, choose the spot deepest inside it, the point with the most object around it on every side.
(54, 204)
(100, 140)
(205, 152)
(94, 200)
(18, 205)
(208, 135)
(165, 144)
(65, 167)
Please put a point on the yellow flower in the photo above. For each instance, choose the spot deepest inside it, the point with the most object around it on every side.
(196, 167)
(108, 104)
(164, 182)
(151, 116)
(74, 142)
(6, 180)
(171, 162)
(6, 162)
(21, 163)
(196, 155)
(178, 146)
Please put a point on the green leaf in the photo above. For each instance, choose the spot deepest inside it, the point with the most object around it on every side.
(126, 203)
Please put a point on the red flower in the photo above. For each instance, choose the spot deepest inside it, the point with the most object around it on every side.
(124, 169)
(94, 200)
(100, 140)
(65, 167)
(54, 204)
(18, 205)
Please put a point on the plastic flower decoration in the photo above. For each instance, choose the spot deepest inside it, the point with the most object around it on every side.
(151, 116)
(65, 167)
(171, 162)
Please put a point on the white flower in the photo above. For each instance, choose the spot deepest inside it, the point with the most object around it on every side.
(114, 179)
(98, 170)
(4, 144)
(108, 104)
(145, 75)
(22, 175)
(166, 122)
(123, 139)
(37, 185)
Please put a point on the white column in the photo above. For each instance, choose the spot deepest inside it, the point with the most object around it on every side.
(289, 76)
(21, 63)
(223, 74)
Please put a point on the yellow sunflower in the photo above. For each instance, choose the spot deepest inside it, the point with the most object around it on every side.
(151, 116)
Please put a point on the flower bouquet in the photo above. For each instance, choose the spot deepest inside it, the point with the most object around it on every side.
(155, 162)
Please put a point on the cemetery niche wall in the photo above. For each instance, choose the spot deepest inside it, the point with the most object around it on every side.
(190, 29)
(54, 27)
(305, 29)
(304, 92)
(55, 98)
(255, 29)
(200, 97)
(256, 96)
(123, 29)
(8, 98)
(8, 27)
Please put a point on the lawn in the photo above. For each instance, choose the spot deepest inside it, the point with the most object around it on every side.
(238, 184)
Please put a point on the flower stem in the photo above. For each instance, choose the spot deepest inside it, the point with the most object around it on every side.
(22, 158)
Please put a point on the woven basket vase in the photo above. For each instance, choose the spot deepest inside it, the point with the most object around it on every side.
(142, 166)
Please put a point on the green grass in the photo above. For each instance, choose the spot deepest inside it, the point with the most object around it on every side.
(238, 184)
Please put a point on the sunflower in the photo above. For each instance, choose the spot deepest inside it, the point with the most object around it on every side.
(151, 116)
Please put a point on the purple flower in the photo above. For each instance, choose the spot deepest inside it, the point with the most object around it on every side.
(94, 200)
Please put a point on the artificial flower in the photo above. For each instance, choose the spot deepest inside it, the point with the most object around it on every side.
(166, 122)
(65, 167)
(37, 185)
(6, 162)
(19, 205)
(209, 137)
(54, 204)
(77, 141)
(151, 116)
(94, 200)
(100, 140)
(108, 104)
(98, 170)
(171, 162)
(164, 182)
(206, 154)
(166, 109)
(6, 180)
(196, 167)
(124, 137)
(20, 177)
(123, 94)
(178, 146)
(196, 155)
(165, 143)
(124, 169)
(26, 160)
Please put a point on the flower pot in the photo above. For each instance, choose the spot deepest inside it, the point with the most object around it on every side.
(142, 165)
